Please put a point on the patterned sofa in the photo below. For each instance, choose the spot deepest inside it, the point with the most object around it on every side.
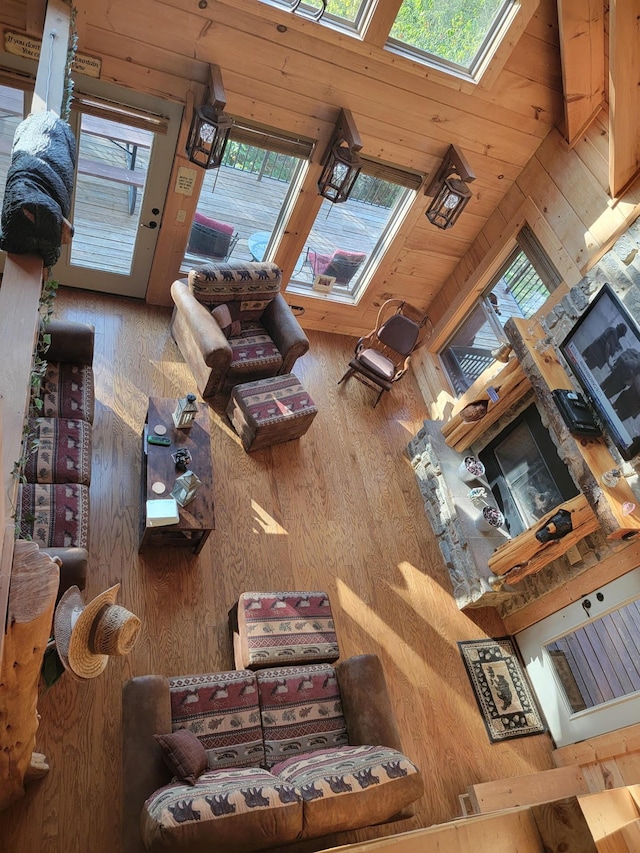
(53, 506)
(232, 324)
(261, 759)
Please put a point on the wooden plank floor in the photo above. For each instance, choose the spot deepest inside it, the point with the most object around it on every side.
(338, 510)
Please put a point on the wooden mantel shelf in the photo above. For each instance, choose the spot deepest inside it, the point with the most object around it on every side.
(512, 384)
(524, 555)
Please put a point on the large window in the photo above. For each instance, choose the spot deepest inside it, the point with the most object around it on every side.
(519, 289)
(348, 239)
(243, 204)
(460, 32)
(456, 35)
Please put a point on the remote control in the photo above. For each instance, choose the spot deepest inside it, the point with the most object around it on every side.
(158, 439)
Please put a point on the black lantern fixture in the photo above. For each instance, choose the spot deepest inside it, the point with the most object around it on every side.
(341, 165)
(210, 126)
(449, 189)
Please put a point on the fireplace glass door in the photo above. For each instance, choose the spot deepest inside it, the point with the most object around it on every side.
(525, 473)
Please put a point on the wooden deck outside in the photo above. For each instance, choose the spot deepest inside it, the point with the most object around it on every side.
(105, 232)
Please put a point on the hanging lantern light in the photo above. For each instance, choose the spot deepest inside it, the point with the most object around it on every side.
(449, 189)
(210, 126)
(341, 164)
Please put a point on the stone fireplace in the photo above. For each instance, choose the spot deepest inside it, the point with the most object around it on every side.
(465, 550)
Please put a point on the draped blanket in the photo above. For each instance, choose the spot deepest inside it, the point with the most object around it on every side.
(37, 199)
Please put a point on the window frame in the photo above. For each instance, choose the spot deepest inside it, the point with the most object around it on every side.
(374, 23)
(411, 181)
(524, 240)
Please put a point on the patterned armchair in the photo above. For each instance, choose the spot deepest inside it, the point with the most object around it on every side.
(232, 325)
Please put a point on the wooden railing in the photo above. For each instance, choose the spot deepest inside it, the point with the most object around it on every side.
(19, 298)
(28, 579)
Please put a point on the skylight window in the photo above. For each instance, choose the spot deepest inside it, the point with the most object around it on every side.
(458, 32)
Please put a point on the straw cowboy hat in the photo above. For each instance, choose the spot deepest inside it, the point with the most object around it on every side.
(87, 635)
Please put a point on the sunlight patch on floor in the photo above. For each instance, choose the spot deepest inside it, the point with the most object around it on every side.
(266, 522)
(404, 657)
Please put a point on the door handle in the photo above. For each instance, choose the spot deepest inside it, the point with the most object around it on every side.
(153, 224)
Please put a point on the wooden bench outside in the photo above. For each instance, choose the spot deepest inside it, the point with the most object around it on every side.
(128, 139)
(134, 179)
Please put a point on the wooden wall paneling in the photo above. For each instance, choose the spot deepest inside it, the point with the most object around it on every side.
(128, 74)
(142, 54)
(364, 51)
(35, 17)
(593, 159)
(624, 97)
(527, 97)
(14, 13)
(539, 62)
(559, 213)
(582, 50)
(622, 560)
(259, 41)
(118, 16)
(571, 176)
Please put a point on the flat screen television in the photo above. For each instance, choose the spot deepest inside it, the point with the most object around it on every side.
(603, 351)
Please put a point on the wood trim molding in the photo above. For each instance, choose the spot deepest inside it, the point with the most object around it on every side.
(581, 24)
(378, 25)
(621, 561)
(624, 97)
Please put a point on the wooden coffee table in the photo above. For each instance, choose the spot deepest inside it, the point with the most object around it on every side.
(197, 518)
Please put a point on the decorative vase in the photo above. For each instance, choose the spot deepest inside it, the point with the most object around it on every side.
(490, 518)
(470, 469)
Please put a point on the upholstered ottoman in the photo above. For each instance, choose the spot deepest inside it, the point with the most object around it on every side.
(270, 411)
(282, 628)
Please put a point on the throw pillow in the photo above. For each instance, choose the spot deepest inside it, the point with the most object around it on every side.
(215, 224)
(184, 755)
(229, 326)
(222, 316)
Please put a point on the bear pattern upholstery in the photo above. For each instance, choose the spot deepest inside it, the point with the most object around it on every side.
(328, 782)
(258, 337)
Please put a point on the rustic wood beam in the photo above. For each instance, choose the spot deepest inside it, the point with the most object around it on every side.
(624, 94)
(381, 16)
(34, 584)
(581, 24)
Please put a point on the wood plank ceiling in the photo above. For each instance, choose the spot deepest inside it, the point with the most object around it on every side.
(289, 72)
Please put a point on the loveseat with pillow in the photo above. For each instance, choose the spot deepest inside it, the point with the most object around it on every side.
(241, 761)
(232, 325)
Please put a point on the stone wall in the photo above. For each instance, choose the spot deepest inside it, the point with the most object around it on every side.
(471, 579)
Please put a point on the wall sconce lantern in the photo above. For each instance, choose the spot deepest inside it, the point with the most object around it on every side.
(342, 164)
(449, 189)
(210, 126)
